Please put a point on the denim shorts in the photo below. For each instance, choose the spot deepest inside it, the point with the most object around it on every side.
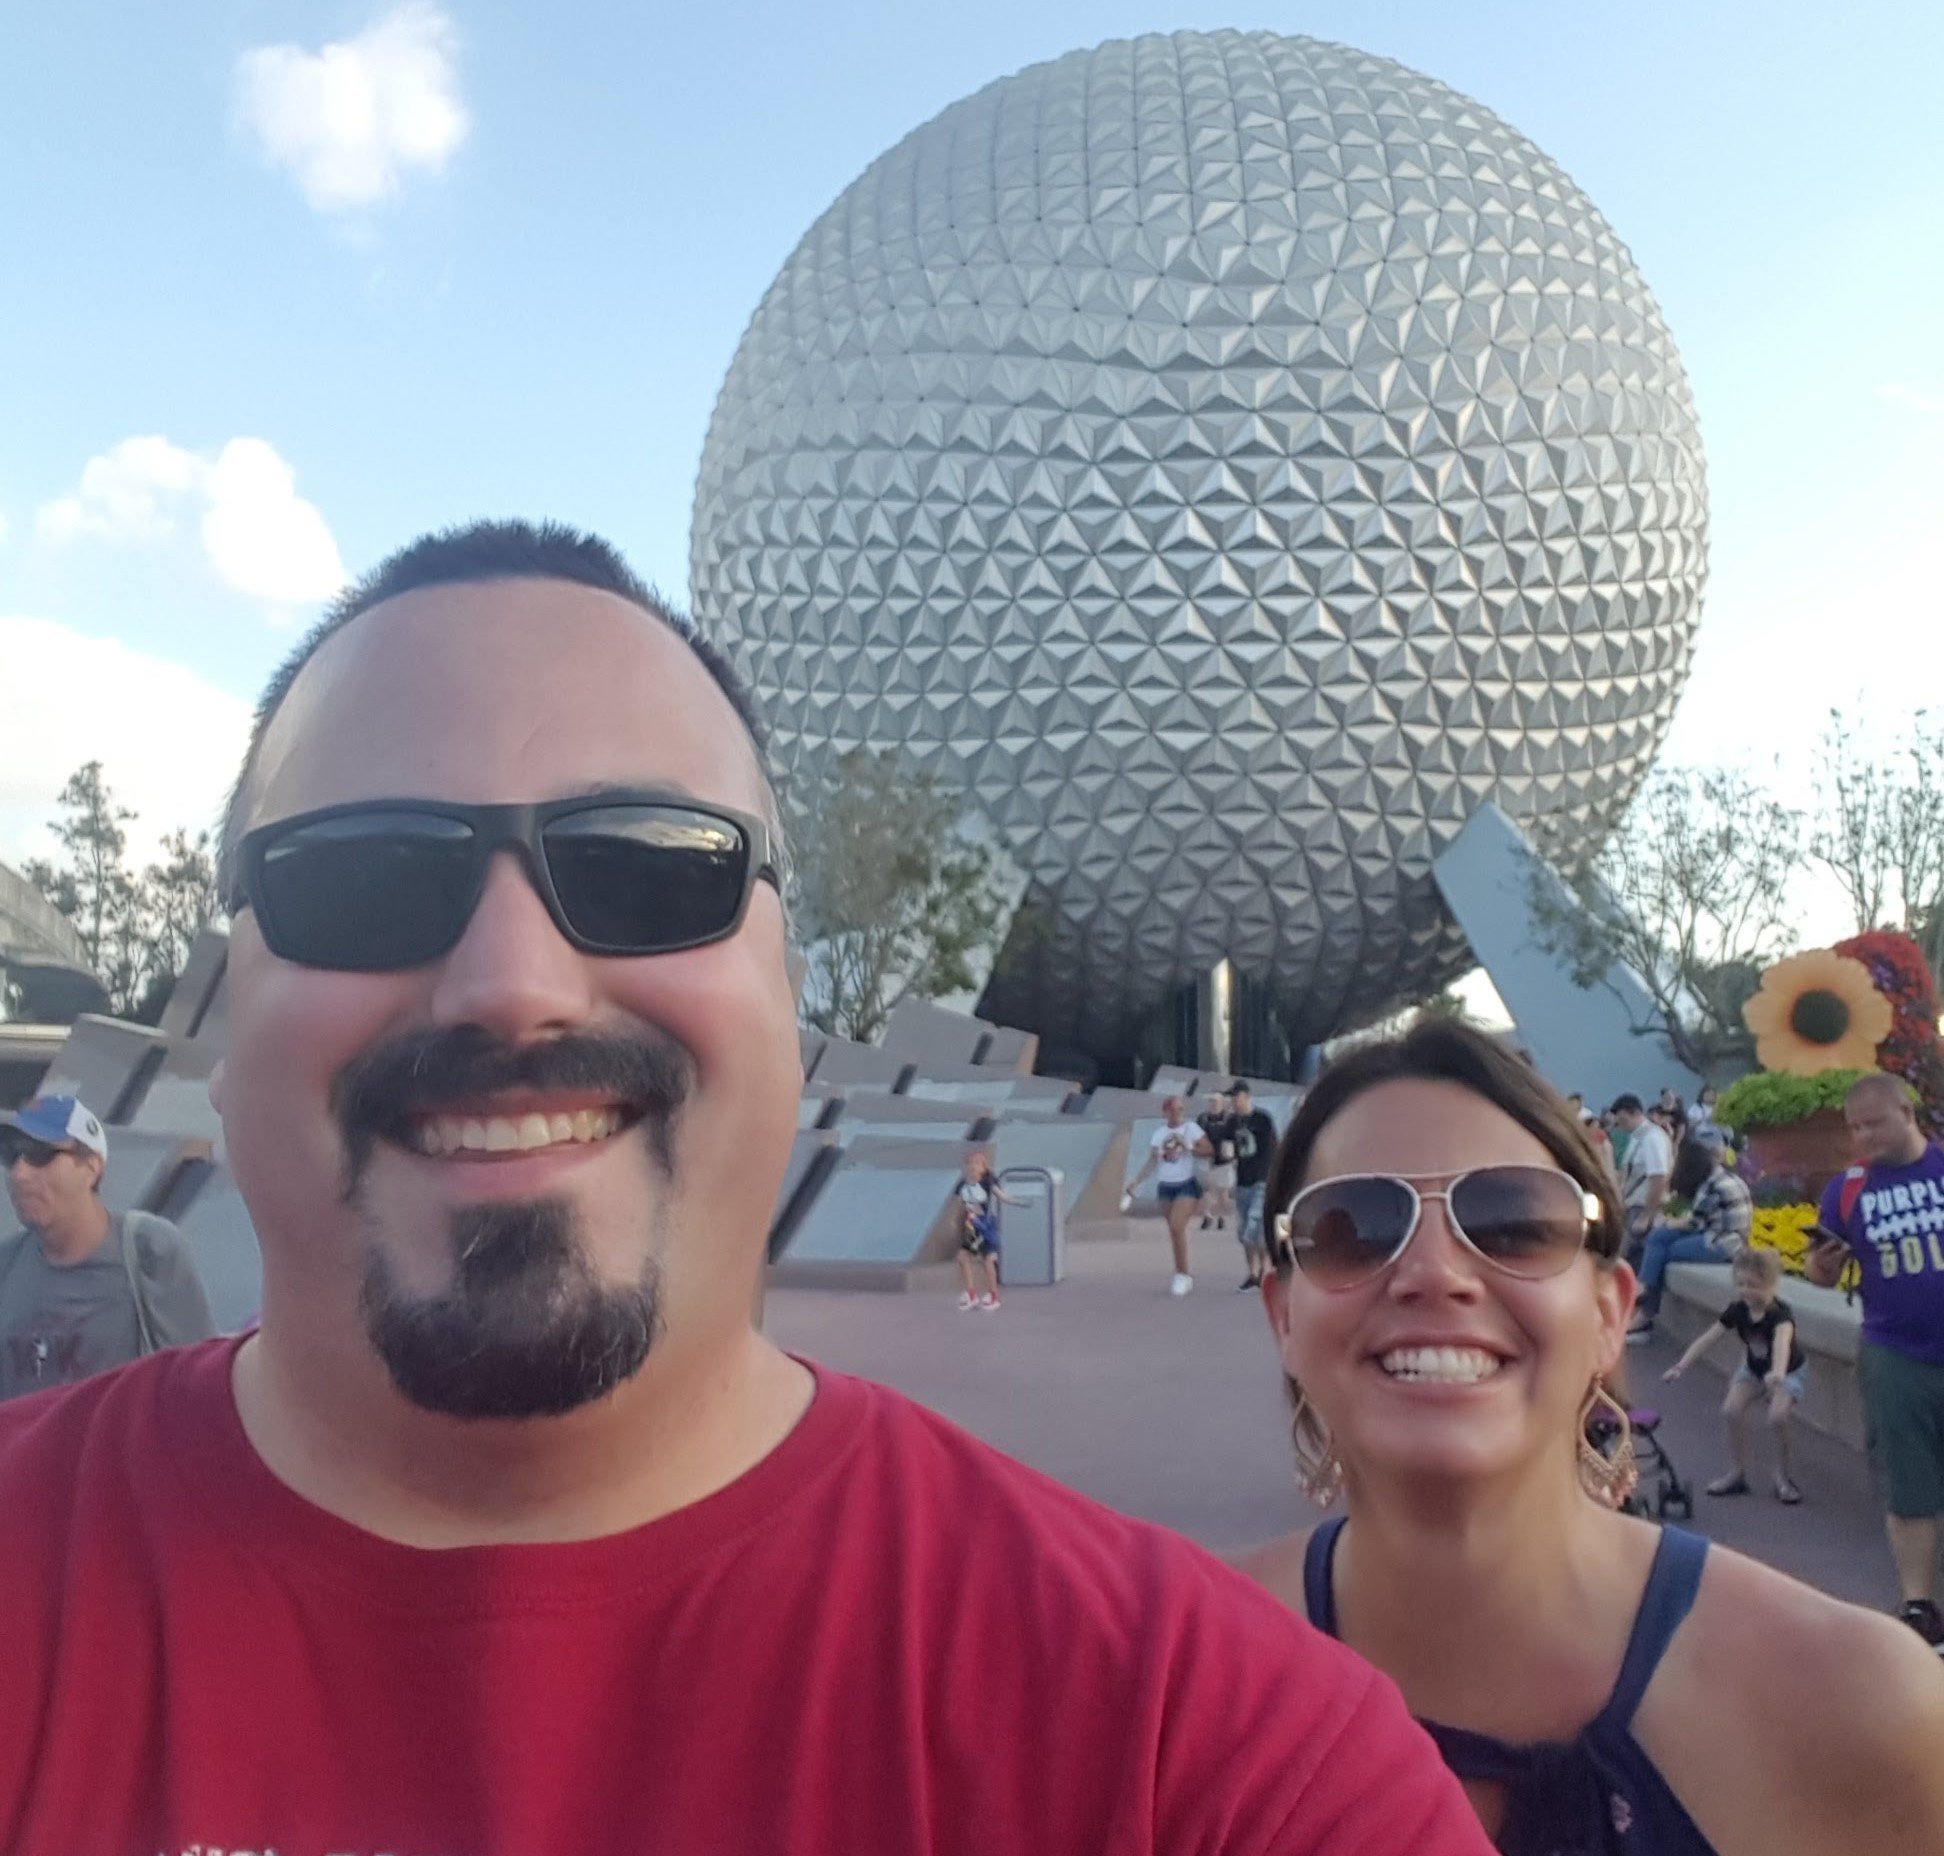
(1178, 1189)
(1248, 1213)
(1794, 1382)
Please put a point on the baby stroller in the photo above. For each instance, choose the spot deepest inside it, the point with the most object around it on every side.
(1672, 1498)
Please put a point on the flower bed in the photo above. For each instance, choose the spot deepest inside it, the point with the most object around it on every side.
(1780, 1228)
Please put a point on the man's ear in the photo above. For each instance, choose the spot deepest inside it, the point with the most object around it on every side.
(216, 1086)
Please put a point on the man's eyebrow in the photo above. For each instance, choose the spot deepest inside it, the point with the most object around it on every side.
(616, 789)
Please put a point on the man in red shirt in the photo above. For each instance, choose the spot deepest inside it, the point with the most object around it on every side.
(506, 1534)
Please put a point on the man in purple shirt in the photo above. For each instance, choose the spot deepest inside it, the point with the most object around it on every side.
(1889, 1213)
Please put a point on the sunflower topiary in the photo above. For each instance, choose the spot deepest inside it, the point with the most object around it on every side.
(1818, 1011)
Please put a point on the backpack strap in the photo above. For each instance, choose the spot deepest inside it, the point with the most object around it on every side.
(1851, 1192)
(131, 1264)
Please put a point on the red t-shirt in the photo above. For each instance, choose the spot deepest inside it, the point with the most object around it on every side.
(885, 1637)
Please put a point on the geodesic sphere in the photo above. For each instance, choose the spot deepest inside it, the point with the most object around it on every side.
(1231, 459)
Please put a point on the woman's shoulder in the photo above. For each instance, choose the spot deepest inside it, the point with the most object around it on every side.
(1276, 1565)
(1831, 1708)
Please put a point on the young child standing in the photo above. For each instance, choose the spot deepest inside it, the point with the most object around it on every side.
(979, 1200)
(1772, 1365)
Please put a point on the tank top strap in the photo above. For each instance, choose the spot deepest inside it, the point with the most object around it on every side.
(1319, 1585)
(1672, 1582)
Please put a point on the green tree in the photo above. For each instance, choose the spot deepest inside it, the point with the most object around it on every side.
(893, 899)
(1691, 893)
(137, 927)
(1879, 828)
(91, 886)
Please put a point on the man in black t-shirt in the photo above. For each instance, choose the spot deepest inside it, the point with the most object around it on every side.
(1254, 1137)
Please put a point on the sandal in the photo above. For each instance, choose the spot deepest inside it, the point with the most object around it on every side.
(1733, 1484)
(1786, 1491)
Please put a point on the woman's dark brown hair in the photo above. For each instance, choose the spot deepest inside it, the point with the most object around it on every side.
(1444, 1050)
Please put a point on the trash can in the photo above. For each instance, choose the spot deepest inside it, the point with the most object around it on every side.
(1032, 1232)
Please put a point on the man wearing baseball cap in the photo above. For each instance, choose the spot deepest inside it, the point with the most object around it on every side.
(82, 1290)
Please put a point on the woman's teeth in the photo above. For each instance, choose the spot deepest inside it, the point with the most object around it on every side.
(1452, 1366)
(439, 1135)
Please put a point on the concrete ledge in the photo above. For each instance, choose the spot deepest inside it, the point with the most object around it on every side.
(1828, 1326)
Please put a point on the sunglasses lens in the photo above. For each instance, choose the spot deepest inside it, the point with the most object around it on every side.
(31, 1151)
(367, 893)
(1528, 1220)
(1343, 1231)
(647, 879)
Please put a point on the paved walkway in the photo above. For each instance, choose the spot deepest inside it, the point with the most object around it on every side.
(1174, 1410)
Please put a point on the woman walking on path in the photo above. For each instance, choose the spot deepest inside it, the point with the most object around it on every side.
(1173, 1148)
(1448, 1304)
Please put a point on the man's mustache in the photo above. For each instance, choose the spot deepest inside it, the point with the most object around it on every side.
(377, 1094)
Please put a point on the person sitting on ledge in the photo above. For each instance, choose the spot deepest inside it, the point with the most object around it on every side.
(1721, 1213)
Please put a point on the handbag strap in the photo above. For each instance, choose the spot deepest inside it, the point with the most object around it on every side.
(132, 1266)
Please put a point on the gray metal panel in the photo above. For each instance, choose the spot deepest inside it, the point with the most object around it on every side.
(1601, 1040)
(1172, 1080)
(928, 1034)
(1010, 1049)
(138, 1166)
(864, 1126)
(1074, 1146)
(805, 1152)
(176, 1104)
(102, 1062)
(223, 1242)
(1120, 1105)
(849, 1064)
(1140, 1143)
(1228, 458)
(874, 1214)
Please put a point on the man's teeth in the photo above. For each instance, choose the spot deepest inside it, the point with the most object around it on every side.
(439, 1135)
(1457, 1366)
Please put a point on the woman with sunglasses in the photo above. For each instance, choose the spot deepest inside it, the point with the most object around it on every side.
(1448, 1304)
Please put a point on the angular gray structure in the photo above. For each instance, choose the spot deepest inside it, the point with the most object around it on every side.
(1232, 459)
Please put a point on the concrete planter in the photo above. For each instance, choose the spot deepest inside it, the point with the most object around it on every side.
(1813, 1150)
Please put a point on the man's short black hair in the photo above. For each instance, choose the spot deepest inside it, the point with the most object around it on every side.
(1627, 1105)
(1239, 1088)
(478, 552)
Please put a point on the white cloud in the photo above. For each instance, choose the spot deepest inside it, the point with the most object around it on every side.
(1898, 393)
(258, 535)
(168, 742)
(351, 121)
(128, 493)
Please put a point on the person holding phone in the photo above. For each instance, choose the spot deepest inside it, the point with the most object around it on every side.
(1888, 1213)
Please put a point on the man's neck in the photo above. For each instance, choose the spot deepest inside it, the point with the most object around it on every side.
(1910, 1156)
(345, 1440)
(75, 1239)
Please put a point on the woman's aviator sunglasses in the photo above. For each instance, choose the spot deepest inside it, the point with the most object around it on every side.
(379, 885)
(1529, 1221)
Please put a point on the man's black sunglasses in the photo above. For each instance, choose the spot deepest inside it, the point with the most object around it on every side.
(381, 884)
(36, 1153)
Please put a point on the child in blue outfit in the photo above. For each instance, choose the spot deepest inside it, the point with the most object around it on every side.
(979, 1200)
(1772, 1364)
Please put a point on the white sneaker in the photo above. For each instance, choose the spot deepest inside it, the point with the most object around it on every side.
(966, 1301)
(988, 1304)
(1181, 1284)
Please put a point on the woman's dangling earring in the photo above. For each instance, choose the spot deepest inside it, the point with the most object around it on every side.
(1318, 1473)
(1609, 1474)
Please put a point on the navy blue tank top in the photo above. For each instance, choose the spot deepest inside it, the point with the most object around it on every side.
(1599, 1795)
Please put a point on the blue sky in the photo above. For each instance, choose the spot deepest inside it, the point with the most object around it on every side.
(520, 292)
